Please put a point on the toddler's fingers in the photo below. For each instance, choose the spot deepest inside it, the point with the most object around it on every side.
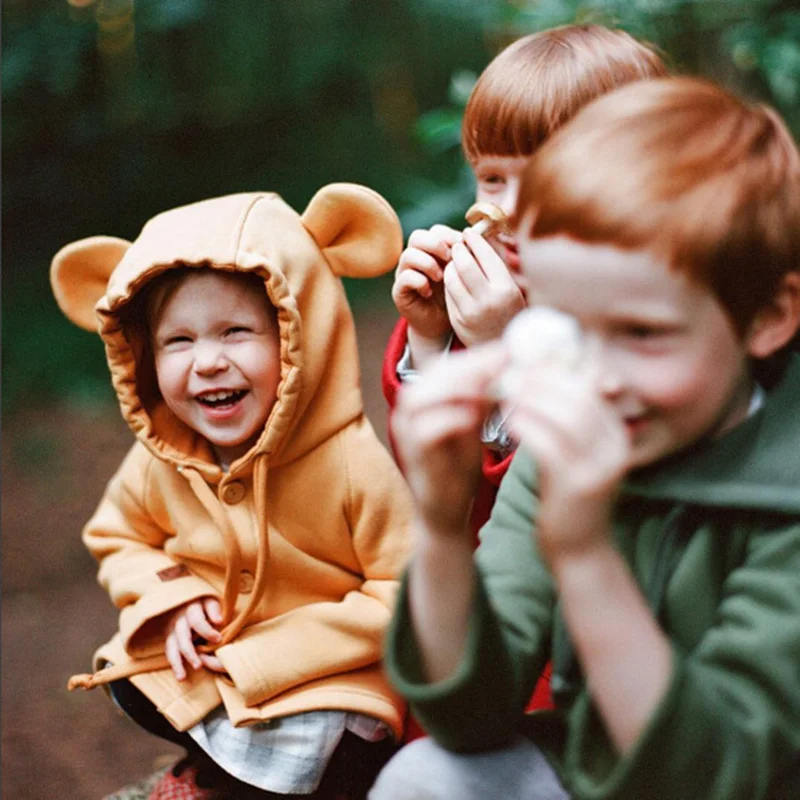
(213, 610)
(212, 662)
(196, 615)
(173, 654)
(183, 636)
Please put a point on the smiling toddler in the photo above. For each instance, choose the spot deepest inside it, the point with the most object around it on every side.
(253, 535)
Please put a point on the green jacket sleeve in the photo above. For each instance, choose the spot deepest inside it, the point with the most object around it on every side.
(481, 705)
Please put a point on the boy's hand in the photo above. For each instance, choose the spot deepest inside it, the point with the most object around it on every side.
(418, 291)
(197, 618)
(582, 451)
(480, 293)
(436, 429)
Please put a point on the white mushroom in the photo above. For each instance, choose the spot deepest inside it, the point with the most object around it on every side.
(539, 335)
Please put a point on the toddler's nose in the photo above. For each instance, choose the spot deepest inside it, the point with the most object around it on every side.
(209, 358)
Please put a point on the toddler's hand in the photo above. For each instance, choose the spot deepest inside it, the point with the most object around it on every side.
(481, 295)
(418, 292)
(197, 618)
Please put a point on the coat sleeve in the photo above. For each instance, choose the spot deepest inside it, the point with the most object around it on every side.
(481, 705)
(730, 719)
(394, 352)
(337, 637)
(494, 467)
(390, 382)
(126, 535)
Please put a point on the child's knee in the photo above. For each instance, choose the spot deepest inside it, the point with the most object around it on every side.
(415, 772)
(423, 770)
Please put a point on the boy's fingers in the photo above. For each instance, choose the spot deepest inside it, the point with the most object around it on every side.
(456, 294)
(411, 282)
(438, 425)
(446, 233)
(437, 241)
(491, 264)
(462, 377)
(468, 270)
(413, 259)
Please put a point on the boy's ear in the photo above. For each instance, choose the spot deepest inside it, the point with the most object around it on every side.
(775, 325)
(79, 275)
(356, 229)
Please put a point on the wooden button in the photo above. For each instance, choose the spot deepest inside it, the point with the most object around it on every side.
(233, 493)
(246, 581)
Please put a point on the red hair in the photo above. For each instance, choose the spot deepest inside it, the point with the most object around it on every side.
(540, 81)
(685, 170)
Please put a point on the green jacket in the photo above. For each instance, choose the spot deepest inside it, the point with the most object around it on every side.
(713, 538)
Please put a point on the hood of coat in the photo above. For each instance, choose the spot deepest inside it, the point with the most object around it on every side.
(346, 230)
(755, 466)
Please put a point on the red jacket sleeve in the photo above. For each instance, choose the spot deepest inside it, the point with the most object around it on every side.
(394, 352)
(494, 468)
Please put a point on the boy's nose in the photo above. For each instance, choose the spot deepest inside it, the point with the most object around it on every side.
(508, 202)
(603, 370)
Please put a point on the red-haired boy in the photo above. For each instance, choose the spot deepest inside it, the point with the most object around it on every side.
(455, 289)
(647, 538)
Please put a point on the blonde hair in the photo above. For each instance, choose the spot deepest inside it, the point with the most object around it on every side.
(685, 170)
(540, 81)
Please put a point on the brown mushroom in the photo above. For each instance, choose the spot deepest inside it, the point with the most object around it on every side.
(487, 218)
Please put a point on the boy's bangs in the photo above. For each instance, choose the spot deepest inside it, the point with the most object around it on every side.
(541, 81)
(685, 171)
(503, 126)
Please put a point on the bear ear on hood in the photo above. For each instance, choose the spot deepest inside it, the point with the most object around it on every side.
(356, 229)
(79, 276)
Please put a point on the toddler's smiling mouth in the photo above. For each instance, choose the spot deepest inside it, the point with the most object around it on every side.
(221, 397)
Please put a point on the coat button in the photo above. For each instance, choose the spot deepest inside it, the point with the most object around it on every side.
(233, 493)
(246, 581)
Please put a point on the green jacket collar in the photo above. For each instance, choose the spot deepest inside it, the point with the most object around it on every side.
(755, 466)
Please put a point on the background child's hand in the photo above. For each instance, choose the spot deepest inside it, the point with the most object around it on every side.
(418, 291)
(480, 293)
(195, 619)
(582, 451)
(436, 428)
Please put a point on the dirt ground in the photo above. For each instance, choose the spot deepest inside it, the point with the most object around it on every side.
(55, 463)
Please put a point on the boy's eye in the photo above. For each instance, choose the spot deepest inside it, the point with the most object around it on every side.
(491, 179)
(643, 332)
(234, 329)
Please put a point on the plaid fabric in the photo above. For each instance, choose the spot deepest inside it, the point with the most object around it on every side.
(182, 787)
(287, 755)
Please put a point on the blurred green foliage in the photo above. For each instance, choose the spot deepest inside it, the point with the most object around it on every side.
(114, 110)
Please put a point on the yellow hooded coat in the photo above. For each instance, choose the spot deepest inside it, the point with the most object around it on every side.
(303, 539)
